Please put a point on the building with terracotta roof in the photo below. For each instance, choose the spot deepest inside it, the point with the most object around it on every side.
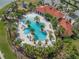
(51, 10)
(54, 12)
(66, 25)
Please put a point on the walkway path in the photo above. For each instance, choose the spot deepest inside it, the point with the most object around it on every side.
(1, 55)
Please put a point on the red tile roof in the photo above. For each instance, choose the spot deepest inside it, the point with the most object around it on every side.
(51, 10)
(54, 12)
(66, 25)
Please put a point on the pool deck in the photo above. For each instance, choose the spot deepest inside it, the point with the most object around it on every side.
(27, 40)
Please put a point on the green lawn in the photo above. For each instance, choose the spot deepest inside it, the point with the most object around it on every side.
(4, 46)
(75, 43)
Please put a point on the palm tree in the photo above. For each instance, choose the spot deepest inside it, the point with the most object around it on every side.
(32, 31)
(31, 6)
(46, 41)
(34, 42)
(61, 32)
(50, 35)
(27, 22)
(39, 43)
(40, 2)
(37, 19)
(17, 42)
(42, 26)
(54, 22)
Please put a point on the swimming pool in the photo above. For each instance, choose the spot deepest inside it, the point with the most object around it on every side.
(38, 34)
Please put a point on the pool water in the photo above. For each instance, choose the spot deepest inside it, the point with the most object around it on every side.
(26, 30)
(38, 34)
